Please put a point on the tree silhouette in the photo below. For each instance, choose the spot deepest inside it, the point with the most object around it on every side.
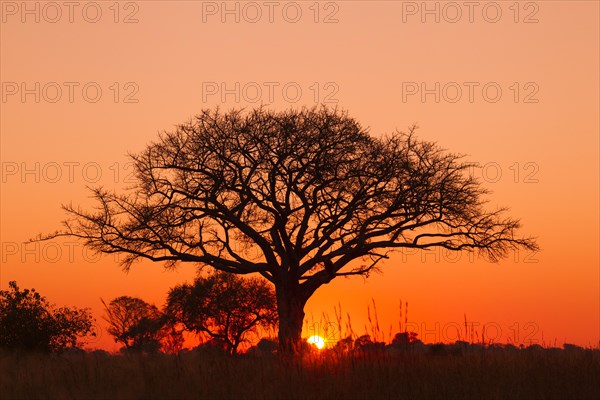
(139, 326)
(223, 306)
(29, 322)
(299, 196)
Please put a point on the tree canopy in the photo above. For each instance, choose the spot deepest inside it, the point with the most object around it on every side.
(139, 326)
(298, 196)
(223, 307)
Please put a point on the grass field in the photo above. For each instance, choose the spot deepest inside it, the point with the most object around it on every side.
(485, 374)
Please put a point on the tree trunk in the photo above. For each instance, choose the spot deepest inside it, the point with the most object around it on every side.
(290, 307)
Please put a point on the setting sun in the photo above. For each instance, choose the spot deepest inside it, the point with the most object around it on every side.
(316, 341)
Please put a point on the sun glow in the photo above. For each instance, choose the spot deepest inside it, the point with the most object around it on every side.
(316, 341)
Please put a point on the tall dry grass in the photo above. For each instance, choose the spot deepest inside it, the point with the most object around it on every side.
(462, 371)
(497, 374)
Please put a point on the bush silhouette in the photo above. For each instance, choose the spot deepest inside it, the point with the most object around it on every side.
(29, 322)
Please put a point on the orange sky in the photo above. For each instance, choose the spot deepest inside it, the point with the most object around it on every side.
(539, 139)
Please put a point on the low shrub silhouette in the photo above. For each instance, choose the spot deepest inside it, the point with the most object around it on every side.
(29, 322)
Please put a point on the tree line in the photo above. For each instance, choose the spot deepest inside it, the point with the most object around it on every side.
(221, 308)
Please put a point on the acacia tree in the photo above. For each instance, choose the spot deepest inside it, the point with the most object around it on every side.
(299, 196)
(223, 306)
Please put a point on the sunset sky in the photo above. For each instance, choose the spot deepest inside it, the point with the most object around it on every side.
(512, 85)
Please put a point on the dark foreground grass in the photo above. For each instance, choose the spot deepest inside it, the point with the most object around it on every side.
(521, 374)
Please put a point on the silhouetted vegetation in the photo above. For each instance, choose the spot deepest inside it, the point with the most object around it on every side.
(224, 307)
(300, 197)
(355, 367)
(221, 308)
(140, 326)
(29, 322)
(474, 373)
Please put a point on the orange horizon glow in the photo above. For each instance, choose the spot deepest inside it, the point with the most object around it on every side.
(388, 64)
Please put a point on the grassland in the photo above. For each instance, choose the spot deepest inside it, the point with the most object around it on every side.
(483, 374)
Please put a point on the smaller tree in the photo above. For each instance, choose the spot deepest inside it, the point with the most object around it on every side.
(224, 307)
(405, 338)
(364, 344)
(139, 326)
(29, 322)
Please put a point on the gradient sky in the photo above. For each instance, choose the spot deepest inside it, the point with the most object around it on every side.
(538, 141)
